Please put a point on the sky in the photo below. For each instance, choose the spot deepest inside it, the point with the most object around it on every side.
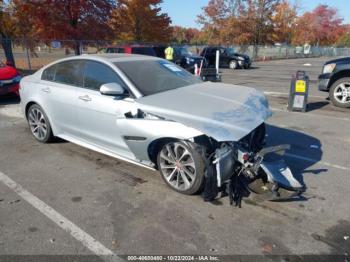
(184, 12)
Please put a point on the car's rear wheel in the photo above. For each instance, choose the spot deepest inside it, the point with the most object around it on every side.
(339, 92)
(233, 64)
(39, 124)
(182, 166)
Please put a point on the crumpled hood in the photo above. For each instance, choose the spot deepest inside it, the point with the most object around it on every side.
(222, 111)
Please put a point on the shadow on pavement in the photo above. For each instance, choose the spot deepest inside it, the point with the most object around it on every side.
(316, 105)
(9, 99)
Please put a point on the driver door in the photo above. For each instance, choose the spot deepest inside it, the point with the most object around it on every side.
(98, 113)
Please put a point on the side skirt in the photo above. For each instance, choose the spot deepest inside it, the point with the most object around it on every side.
(103, 151)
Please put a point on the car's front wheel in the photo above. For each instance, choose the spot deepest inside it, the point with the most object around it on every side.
(233, 64)
(182, 166)
(339, 92)
(39, 124)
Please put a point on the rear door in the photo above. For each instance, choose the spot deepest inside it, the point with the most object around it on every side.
(59, 88)
(98, 113)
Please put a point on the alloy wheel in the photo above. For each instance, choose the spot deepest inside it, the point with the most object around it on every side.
(177, 166)
(342, 93)
(233, 64)
(37, 123)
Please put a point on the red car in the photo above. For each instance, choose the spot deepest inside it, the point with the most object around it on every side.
(9, 79)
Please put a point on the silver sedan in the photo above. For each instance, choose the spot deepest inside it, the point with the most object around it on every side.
(147, 111)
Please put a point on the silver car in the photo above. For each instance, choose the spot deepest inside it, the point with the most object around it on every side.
(150, 112)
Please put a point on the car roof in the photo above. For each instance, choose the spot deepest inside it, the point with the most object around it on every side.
(131, 46)
(105, 58)
(113, 57)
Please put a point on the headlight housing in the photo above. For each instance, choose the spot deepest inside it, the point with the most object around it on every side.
(17, 79)
(189, 60)
(328, 68)
(240, 58)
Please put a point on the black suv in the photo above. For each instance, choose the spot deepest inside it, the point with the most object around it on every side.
(335, 79)
(228, 57)
(184, 58)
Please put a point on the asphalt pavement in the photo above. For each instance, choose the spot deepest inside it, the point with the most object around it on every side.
(62, 199)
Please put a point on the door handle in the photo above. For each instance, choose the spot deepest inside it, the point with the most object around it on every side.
(85, 98)
(46, 90)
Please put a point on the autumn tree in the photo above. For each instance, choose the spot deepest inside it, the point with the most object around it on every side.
(214, 20)
(284, 21)
(141, 21)
(238, 21)
(322, 26)
(344, 40)
(68, 19)
(183, 35)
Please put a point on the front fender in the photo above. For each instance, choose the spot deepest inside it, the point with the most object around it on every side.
(138, 134)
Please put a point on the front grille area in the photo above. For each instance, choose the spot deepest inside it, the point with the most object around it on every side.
(255, 140)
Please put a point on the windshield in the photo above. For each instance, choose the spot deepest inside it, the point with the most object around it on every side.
(184, 51)
(230, 51)
(156, 76)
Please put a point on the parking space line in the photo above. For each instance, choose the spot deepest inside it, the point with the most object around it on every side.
(316, 161)
(272, 93)
(310, 114)
(87, 240)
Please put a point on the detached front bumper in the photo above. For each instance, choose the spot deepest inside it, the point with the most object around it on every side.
(323, 82)
(9, 88)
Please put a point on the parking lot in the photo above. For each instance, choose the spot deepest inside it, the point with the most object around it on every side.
(62, 199)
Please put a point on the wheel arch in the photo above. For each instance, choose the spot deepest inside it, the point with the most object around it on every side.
(156, 145)
(32, 102)
(28, 105)
(337, 76)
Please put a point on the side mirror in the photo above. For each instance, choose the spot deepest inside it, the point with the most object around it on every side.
(112, 89)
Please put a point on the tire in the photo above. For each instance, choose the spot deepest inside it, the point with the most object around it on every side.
(233, 64)
(182, 171)
(339, 92)
(39, 124)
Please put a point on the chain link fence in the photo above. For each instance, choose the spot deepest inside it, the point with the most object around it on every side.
(33, 54)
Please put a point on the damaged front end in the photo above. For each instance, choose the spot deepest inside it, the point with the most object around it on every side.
(244, 167)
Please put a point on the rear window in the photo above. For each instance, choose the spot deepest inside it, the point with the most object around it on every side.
(49, 73)
(69, 73)
(111, 50)
(144, 51)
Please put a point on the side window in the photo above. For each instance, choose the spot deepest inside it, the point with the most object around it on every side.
(121, 50)
(97, 74)
(69, 73)
(112, 50)
(49, 73)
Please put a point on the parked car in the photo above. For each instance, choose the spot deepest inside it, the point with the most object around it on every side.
(160, 50)
(335, 79)
(9, 79)
(184, 58)
(228, 57)
(153, 113)
(129, 49)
